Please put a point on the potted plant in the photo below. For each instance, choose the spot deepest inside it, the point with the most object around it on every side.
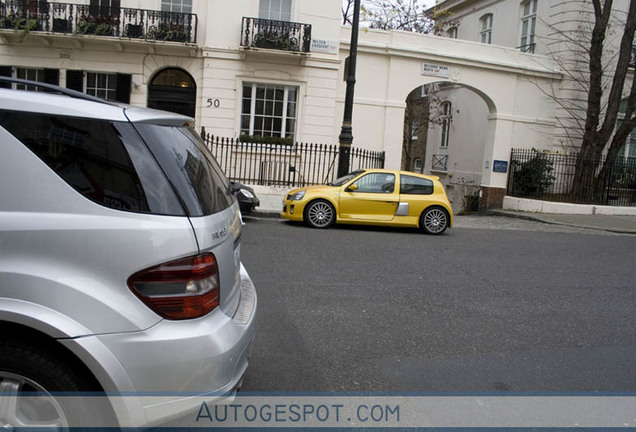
(134, 30)
(100, 26)
(60, 25)
(276, 40)
(7, 22)
(172, 33)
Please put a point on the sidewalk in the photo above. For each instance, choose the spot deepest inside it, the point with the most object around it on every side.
(272, 201)
(611, 223)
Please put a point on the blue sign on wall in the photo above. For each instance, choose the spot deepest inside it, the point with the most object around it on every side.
(500, 166)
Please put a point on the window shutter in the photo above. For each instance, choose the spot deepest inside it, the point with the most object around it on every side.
(6, 71)
(122, 92)
(75, 80)
(52, 76)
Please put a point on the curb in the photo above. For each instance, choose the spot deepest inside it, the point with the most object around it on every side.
(528, 217)
(272, 214)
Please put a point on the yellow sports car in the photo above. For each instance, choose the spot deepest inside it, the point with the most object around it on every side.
(373, 197)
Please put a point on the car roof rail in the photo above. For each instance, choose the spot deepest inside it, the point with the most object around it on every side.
(55, 89)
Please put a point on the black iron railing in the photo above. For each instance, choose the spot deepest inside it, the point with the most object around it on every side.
(554, 177)
(439, 162)
(284, 165)
(527, 48)
(280, 35)
(37, 15)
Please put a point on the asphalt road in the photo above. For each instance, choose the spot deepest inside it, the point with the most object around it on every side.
(495, 304)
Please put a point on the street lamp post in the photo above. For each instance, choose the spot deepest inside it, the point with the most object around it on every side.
(346, 133)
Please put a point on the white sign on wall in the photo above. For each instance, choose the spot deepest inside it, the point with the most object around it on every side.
(435, 70)
(324, 46)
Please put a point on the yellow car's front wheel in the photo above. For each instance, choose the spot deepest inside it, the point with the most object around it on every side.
(319, 214)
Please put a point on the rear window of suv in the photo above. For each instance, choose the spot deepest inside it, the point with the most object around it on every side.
(105, 161)
(190, 167)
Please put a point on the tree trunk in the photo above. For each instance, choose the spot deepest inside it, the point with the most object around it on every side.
(591, 179)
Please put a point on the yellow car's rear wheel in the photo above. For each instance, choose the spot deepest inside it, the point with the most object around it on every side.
(319, 214)
(434, 220)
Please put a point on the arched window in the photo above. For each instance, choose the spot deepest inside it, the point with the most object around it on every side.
(173, 77)
(452, 33)
(446, 109)
(528, 24)
(173, 89)
(485, 25)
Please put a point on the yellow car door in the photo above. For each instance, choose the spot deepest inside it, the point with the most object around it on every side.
(371, 197)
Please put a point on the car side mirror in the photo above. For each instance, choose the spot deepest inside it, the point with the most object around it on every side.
(351, 188)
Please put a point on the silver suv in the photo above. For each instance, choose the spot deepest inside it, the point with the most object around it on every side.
(120, 267)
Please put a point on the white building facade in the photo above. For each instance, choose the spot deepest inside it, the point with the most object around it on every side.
(557, 30)
(226, 65)
(196, 57)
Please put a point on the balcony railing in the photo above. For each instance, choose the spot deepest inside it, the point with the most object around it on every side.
(280, 35)
(527, 48)
(439, 162)
(36, 15)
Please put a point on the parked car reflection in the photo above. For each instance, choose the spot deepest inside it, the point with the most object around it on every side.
(246, 197)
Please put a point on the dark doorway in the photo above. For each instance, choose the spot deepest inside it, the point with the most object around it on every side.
(173, 90)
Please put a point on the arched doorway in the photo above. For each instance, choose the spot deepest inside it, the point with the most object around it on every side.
(174, 90)
(446, 129)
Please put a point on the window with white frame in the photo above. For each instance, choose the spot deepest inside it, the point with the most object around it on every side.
(278, 10)
(101, 85)
(269, 110)
(104, 7)
(628, 151)
(486, 28)
(181, 6)
(415, 128)
(446, 109)
(28, 74)
(528, 24)
(417, 165)
(452, 33)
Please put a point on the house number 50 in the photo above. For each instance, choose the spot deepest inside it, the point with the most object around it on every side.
(214, 103)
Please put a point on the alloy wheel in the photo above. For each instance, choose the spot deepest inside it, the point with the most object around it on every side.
(320, 214)
(435, 221)
(26, 404)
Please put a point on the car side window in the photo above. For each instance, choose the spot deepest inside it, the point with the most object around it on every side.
(376, 183)
(104, 161)
(410, 185)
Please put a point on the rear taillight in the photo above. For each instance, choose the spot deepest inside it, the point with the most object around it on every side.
(183, 289)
